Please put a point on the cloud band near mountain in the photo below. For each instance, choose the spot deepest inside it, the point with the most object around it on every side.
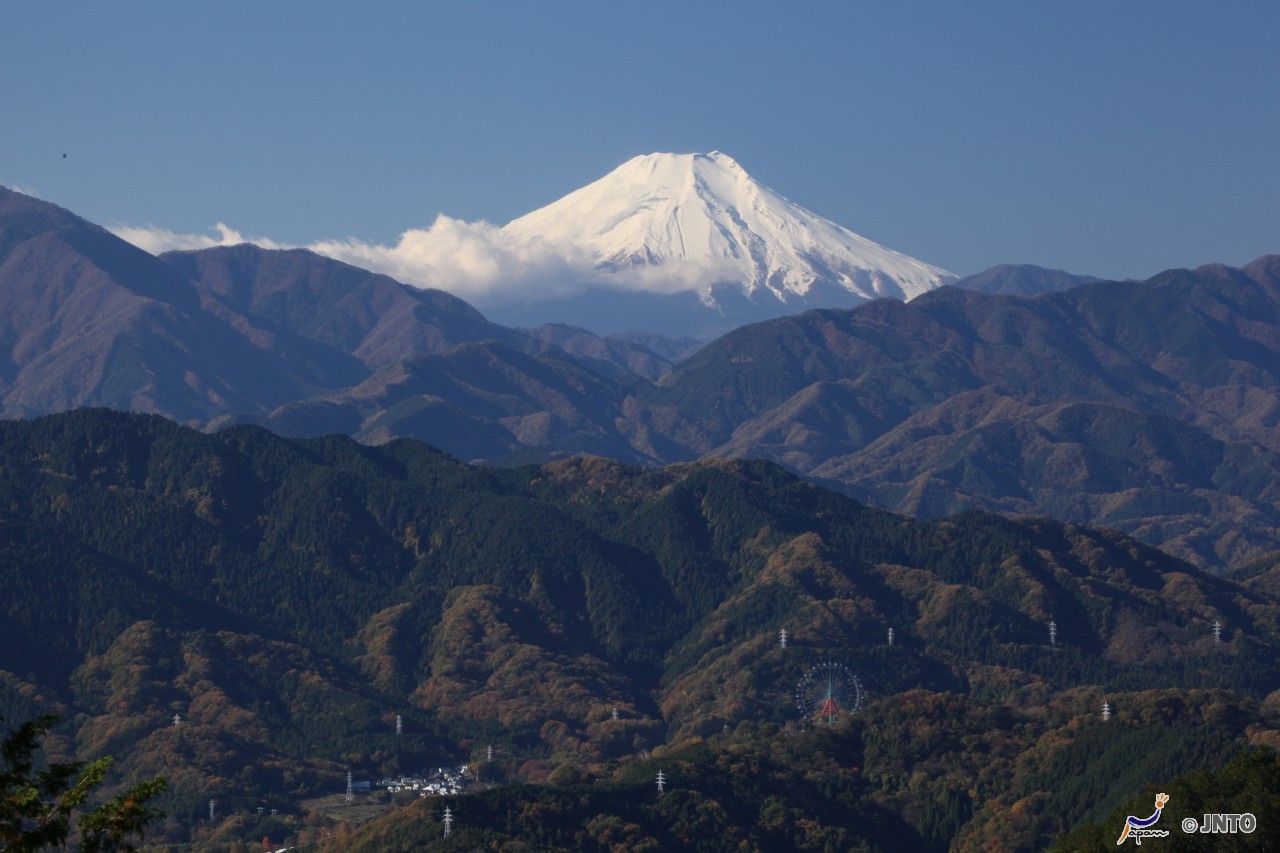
(477, 261)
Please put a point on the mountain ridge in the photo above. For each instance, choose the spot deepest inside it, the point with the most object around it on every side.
(956, 399)
(1200, 347)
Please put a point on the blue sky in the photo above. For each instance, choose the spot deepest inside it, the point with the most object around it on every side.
(1113, 138)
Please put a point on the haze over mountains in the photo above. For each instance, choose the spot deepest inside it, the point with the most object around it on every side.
(1149, 406)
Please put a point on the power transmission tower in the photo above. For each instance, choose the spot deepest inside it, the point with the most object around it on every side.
(891, 636)
(448, 821)
(259, 811)
(489, 753)
(1053, 633)
(1106, 711)
(177, 719)
(351, 791)
(211, 805)
(399, 725)
(614, 715)
(662, 782)
(1217, 632)
(782, 638)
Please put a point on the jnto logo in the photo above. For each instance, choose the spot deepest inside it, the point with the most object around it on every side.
(1139, 828)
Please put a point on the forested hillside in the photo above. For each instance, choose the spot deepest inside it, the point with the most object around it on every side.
(288, 598)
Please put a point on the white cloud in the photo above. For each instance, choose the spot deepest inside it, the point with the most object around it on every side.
(158, 240)
(477, 261)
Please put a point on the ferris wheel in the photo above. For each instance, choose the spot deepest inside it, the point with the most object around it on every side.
(827, 692)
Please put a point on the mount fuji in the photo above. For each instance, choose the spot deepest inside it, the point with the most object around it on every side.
(691, 244)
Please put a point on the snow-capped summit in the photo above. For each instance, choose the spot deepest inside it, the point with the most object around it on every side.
(682, 222)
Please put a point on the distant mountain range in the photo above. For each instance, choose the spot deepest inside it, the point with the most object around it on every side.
(1022, 280)
(88, 319)
(1148, 406)
(1152, 407)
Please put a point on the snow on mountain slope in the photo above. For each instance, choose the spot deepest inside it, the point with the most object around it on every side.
(679, 222)
(685, 245)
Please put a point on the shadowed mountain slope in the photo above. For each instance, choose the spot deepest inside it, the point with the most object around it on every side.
(86, 318)
(886, 399)
(480, 401)
(616, 355)
(324, 302)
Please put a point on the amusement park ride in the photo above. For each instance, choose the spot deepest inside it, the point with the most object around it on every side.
(827, 692)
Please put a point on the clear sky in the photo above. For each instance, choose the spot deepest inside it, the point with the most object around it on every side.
(1114, 138)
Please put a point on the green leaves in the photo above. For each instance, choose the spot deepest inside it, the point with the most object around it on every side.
(107, 826)
(37, 806)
